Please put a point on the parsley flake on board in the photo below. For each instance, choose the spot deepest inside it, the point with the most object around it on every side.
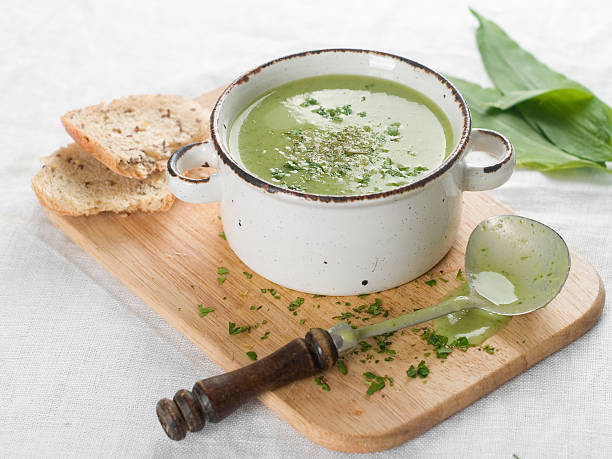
(342, 366)
(233, 330)
(299, 301)
(247, 275)
(431, 282)
(421, 370)
(204, 311)
(377, 383)
(322, 381)
(252, 355)
(489, 349)
(222, 270)
(265, 335)
(222, 235)
(411, 372)
(220, 280)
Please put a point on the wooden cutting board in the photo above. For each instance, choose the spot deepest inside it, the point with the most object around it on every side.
(170, 261)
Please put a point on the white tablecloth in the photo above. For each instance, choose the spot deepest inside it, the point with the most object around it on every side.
(83, 361)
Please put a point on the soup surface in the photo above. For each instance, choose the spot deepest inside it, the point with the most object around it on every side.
(341, 135)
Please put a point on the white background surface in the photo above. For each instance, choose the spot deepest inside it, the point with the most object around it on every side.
(83, 362)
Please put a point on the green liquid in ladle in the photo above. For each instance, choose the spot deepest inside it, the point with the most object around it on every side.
(475, 324)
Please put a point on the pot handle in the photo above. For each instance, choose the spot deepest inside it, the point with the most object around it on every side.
(194, 190)
(478, 178)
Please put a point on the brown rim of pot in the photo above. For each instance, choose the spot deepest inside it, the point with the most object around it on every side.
(256, 181)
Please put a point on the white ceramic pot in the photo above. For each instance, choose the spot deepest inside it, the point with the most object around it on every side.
(340, 245)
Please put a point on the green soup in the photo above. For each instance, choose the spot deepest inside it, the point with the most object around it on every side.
(341, 135)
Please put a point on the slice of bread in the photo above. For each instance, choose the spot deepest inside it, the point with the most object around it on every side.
(71, 182)
(134, 136)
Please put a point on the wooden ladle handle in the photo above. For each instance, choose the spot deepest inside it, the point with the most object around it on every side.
(215, 398)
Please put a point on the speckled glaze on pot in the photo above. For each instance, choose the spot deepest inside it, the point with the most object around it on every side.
(340, 245)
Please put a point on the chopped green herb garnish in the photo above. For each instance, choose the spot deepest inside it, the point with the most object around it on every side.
(461, 343)
(343, 316)
(363, 295)
(411, 372)
(263, 290)
(322, 381)
(299, 301)
(377, 383)
(265, 321)
(265, 335)
(222, 235)
(233, 330)
(422, 369)
(204, 311)
(252, 355)
(318, 296)
(393, 130)
(431, 282)
(376, 308)
(222, 270)
(365, 346)
(247, 275)
(342, 366)
(444, 280)
(334, 113)
(362, 114)
(459, 275)
(220, 280)
(309, 101)
(383, 344)
(489, 349)
(441, 345)
(302, 322)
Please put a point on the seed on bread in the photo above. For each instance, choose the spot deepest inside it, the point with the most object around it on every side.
(134, 136)
(71, 182)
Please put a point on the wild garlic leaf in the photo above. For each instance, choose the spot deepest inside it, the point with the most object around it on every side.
(513, 98)
(532, 149)
(579, 125)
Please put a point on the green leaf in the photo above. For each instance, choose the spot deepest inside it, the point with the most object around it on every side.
(532, 149)
(579, 125)
(252, 355)
(513, 98)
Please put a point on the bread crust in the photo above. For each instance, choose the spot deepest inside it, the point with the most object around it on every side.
(70, 177)
(184, 113)
(92, 146)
